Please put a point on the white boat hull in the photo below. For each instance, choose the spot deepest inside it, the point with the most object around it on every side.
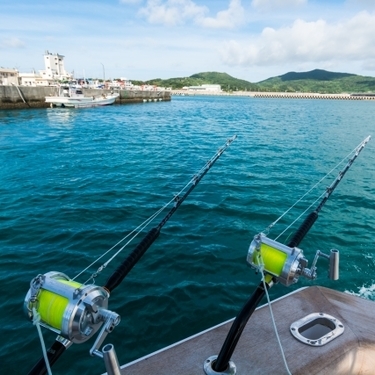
(82, 101)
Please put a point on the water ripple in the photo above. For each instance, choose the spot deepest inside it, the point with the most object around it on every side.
(73, 183)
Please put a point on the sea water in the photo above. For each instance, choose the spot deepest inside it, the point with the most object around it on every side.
(75, 182)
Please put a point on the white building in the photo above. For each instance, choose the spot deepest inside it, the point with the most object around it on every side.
(204, 88)
(54, 67)
(54, 71)
(8, 76)
(33, 79)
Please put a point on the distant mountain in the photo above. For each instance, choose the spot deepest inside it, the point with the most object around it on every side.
(317, 80)
(317, 74)
(320, 81)
(227, 82)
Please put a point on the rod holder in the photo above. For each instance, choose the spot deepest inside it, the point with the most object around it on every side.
(210, 362)
(110, 360)
(334, 260)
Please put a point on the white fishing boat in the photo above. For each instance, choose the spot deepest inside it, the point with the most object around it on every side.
(73, 97)
(313, 330)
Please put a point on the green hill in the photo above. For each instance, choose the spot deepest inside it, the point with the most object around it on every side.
(320, 81)
(227, 82)
(317, 75)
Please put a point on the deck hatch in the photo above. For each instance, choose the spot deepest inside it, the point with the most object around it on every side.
(317, 329)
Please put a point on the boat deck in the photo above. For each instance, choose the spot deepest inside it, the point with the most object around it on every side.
(257, 351)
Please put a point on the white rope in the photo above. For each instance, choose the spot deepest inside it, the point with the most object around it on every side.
(261, 269)
(36, 320)
(274, 325)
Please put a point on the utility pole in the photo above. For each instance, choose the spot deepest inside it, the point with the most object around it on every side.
(103, 73)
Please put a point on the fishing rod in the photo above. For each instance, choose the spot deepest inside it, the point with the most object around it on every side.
(125, 267)
(77, 311)
(278, 263)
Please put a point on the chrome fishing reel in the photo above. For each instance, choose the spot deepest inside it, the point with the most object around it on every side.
(75, 311)
(285, 263)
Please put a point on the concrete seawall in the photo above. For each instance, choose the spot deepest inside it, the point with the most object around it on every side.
(12, 97)
(278, 95)
(297, 95)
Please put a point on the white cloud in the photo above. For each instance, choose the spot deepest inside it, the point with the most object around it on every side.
(229, 18)
(12, 43)
(306, 42)
(265, 5)
(172, 12)
(177, 12)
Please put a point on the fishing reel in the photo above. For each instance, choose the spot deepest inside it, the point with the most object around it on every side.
(285, 263)
(75, 311)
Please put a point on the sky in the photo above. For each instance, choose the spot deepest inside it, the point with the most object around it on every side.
(146, 39)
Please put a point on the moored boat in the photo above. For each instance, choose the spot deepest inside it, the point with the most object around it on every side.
(73, 97)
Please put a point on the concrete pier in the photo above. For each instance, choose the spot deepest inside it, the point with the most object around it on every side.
(12, 97)
(303, 95)
(278, 95)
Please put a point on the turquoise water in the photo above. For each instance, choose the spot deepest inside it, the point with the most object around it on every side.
(75, 182)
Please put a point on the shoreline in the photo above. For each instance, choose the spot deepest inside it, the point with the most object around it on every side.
(24, 97)
(277, 95)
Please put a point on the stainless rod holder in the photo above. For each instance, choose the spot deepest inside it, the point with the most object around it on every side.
(334, 264)
(110, 360)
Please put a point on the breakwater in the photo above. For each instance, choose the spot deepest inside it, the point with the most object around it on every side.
(12, 97)
(303, 95)
(277, 95)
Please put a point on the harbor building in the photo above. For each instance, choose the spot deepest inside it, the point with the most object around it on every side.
(204, 88)
(54, 67)
(33, 79)
(54, 71)
(8, 76)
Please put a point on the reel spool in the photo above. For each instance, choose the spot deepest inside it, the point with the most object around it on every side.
(286, 263)
(73, 310)
(275, 259)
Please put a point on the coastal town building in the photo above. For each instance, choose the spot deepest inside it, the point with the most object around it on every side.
(54, 71)
(8, 76)
(33, 79)
(204, 88)
(54, 67)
